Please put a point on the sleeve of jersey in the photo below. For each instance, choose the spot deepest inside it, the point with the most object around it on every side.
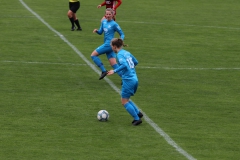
(100, 30)
(122, 65)
(118, 4)
(120, 32)
(103, 4)
(135, 61)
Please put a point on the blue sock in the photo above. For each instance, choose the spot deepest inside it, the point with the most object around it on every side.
(131, 111)
(98, 62)
(135, 107)
(116, 66)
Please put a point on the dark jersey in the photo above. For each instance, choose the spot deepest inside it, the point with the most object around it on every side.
(112, 4)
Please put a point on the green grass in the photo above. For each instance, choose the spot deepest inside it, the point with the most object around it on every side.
(188, 71)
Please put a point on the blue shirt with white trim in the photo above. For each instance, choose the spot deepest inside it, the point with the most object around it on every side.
(127, 63)
(109, 28)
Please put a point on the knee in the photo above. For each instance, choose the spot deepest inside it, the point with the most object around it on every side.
(112, 61)
(74, 16)
(69, 14)
(94, 53)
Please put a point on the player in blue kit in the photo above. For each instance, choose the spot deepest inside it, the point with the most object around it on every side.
(108, 27)
(127, 63)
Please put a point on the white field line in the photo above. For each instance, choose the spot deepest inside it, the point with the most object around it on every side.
(147, 119)
(142, 67)
(186, 25)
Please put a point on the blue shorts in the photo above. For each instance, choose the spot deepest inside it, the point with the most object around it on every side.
(129, 88)
(106, 49)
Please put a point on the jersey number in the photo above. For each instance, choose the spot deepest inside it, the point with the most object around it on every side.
(130, 62)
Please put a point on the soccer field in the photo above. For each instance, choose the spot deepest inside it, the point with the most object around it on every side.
(189, 82)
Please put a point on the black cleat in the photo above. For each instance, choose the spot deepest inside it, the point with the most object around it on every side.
(103, 75)
(79, 29)
(136, 122)
(140, 115)
(73, 28)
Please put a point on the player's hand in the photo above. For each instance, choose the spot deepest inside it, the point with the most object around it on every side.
(99, 6)
(95, 30)
(110, 72)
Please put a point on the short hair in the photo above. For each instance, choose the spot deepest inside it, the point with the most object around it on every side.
(118, 42)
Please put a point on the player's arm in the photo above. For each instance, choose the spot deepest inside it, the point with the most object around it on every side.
(120, 68)
(119, 2)
(135, 61)
(122, 64)
(100, 30)
(102, 4)
(116, 70)
(120, 32)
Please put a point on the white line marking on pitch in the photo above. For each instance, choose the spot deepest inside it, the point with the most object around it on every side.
(147, 119)
(143, 67)
(186, 25)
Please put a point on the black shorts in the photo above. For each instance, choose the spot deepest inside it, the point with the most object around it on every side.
(74, 6)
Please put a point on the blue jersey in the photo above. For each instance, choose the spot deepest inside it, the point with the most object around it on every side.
(127, 63)
(109, 28)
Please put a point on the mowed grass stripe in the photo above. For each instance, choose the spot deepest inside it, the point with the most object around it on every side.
(143, 67)
(155, 126)
(138, 22)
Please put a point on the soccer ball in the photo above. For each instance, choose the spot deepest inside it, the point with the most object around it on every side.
(103, 115)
